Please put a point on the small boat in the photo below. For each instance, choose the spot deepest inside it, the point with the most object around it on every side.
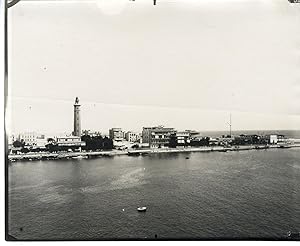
(79, 157)
(142, 209)
(187, 157)
(284, 146)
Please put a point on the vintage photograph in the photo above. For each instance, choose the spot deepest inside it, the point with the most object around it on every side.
(152, 120)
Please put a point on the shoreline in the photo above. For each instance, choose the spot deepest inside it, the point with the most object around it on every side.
(135, 152)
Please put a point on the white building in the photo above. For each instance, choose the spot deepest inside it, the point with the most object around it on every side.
(116, 134)
(11, 139)
(41, 142)
(273, 139)
(69, 141)
(28, 137)
(183, 137)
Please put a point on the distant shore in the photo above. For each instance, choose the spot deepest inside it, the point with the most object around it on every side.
(134, 152)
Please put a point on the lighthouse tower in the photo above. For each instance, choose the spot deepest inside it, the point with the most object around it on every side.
(77, 123)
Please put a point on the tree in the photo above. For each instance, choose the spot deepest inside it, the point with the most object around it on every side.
(50, 140)
(24, 150)
(135, 146)
(173, 141)
(18, 144)
(107, 143)
(52, 147)
(200, 142)
(97, 143)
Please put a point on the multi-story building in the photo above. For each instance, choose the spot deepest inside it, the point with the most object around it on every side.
(41, 142)
(132, 136)
(11, 139)
(116, 134)
(146, 134)
(28, 137)
(180, 139)
(159, 137)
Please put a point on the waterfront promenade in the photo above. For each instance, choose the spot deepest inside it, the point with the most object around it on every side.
(135, 152)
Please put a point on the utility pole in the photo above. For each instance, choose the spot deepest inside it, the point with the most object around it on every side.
(229, 125)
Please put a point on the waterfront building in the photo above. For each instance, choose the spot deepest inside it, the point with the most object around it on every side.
(213, 141)
(146, 134)
(160, 136)
(11, 139)
(132, 136)
(28, 137)
(116, 134)
(91, 133)
(77, 120)
(200, 141)
(273, 139)
(226, 140)
(180, 139)
(281, 139)
(278, 139)
(41, 142)
(69, 141)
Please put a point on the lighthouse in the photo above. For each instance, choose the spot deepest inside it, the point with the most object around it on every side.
(77, 123)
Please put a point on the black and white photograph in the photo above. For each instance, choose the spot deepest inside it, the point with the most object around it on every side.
(152, 120)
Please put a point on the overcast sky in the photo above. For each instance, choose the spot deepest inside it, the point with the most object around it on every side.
(183, 64)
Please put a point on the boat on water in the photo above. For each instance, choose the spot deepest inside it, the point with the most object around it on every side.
(141, 209)
(287, 145)
(261, 147)
(79, 157)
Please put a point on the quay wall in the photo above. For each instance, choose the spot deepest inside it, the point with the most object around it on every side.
(94, 154)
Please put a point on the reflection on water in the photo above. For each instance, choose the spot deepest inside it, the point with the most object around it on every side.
(219, 195)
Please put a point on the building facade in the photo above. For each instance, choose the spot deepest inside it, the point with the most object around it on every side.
(273, 139)
(28, 137)
(11, 139)
(146, 134)
(160, 137)
(77, 120)
(180, 139)
(41, 142)
(69, 141)
(132, 136)
(116, 134)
